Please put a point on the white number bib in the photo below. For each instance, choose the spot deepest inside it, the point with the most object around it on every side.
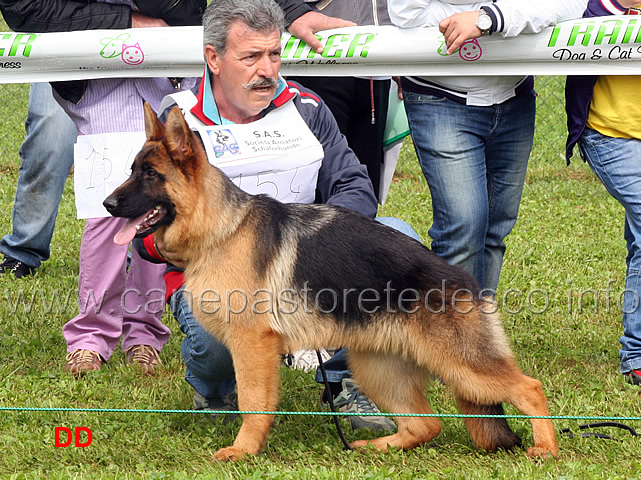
(277, 155)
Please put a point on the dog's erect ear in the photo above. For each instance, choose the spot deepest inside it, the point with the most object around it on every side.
(153, 126)
(178, 136)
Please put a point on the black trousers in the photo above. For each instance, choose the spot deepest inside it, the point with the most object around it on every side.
(350, 100)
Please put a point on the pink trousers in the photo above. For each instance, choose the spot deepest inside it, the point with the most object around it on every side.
(115, 301)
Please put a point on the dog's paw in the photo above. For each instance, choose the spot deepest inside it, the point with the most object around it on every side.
(369, 444)
(229, 453)
(358, 444)
(542, 453)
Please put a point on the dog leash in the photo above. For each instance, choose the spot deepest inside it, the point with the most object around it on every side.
(330, 400)
(567, 433)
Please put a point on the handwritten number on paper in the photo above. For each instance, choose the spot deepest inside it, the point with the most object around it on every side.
(97, 160)
(291, 186)
(263, 184)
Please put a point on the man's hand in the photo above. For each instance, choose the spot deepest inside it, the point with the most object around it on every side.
(140, 20)
(459, 28)
(171, 257)
(305, 26)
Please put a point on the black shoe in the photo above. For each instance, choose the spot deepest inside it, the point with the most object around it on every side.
(18, 268)
(633, 377)
(225, 404)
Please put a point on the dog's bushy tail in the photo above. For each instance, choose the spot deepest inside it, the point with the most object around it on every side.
(488, 433)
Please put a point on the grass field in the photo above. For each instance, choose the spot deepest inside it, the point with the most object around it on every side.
(560, 301)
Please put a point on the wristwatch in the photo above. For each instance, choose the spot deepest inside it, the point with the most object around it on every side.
(484, 23)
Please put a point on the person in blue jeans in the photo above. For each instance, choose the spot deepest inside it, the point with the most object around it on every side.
(604, 119)
(46, 158)
(474, 159)
(473, 135)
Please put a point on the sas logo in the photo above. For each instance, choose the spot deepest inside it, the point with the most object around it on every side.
(223, 142)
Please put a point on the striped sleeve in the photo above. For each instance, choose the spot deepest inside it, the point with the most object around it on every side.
(498, 21)
(513, 17)
(599, 8)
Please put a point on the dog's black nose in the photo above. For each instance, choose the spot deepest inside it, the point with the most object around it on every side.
(110, 203)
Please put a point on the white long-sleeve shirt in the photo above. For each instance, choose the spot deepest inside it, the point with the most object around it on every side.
(512, 17)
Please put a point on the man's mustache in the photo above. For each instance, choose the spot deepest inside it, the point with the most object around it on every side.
(262, 82)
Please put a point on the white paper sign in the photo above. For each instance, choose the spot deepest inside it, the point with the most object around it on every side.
(101, 164)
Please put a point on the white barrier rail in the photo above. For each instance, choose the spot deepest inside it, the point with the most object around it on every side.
(602, 45)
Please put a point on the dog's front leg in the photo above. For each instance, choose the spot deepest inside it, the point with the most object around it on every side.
(257, 358)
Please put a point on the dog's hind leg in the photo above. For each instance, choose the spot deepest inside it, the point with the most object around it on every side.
(257, 357)
(488, 433)
(398, 386)
(475, 360)
(482, 394)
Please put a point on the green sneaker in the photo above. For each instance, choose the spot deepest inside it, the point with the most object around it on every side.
(350, 400)
(228, 403)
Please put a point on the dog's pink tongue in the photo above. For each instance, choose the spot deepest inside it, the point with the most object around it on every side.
(128, 230)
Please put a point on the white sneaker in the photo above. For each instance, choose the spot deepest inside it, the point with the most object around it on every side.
(305, 360)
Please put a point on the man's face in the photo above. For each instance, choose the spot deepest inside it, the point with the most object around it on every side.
(246, 78)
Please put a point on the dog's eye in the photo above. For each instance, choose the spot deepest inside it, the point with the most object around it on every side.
(151, 173)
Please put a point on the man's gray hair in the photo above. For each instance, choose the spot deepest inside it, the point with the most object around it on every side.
(220, 15)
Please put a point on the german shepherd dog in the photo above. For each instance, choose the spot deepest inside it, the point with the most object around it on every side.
(327, 277)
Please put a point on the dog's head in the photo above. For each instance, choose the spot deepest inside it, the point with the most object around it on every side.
(167, 160)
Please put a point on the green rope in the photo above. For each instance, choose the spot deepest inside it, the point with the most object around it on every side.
(347, 414)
